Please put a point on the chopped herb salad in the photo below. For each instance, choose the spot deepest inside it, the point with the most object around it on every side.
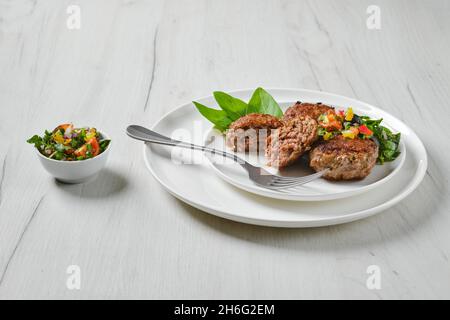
(353, 126)
(67, 143)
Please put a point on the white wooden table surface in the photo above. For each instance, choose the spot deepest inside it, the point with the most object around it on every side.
(131, 62)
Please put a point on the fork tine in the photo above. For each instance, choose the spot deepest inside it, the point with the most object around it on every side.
(295, 179)
(286, 187)
(280, 178)
(299, 179)
(287, 179)
(276, 185)
(284, 183)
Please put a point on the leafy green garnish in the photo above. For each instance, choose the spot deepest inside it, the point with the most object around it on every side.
(234, 108)
(388, 142)
(41, 142)
(262, 102)
(36, 140)
(104, 144)
(218, 117)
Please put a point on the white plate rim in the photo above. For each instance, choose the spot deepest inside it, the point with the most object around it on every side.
(343, 218)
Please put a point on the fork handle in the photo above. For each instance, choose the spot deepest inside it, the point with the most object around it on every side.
(147, 135)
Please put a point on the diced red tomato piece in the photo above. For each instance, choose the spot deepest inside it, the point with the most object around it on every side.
(81, 151)
(354, 130)
(364, 130)
(95, 146)
(333, 125)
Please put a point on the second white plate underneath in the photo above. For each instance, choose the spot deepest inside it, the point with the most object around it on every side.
(197, 185)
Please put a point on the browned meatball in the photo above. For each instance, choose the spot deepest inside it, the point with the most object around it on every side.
(291, 141)
(314, 110)
(250, 131)
(347, 159)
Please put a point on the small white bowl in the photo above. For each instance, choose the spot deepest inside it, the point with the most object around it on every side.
(75, 171)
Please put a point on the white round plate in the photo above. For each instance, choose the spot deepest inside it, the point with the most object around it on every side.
(188, 176)
(319, 189)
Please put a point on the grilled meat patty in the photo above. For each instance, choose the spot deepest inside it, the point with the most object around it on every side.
(299, 109)
(291, 141)
(249, 132)
(347, 159)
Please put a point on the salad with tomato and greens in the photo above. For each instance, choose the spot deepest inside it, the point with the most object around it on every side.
(352, 126)
(67, 143)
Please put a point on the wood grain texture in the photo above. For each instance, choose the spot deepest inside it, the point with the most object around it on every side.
(131, 62)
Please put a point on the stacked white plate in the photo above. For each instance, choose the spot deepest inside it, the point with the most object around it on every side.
(223, 188)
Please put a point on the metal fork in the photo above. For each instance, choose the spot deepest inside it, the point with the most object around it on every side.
(258, 175)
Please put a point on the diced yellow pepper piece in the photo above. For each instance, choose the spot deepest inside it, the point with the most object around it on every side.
(349, 134)
(91, 134)
(58, 137)
(327, 136)
(349, 114)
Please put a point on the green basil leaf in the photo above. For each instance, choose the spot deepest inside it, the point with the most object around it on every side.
(234, 107)
(262, 102)
(218, 117)
(36, 140)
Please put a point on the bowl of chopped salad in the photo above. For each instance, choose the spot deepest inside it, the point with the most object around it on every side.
(72, 154)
